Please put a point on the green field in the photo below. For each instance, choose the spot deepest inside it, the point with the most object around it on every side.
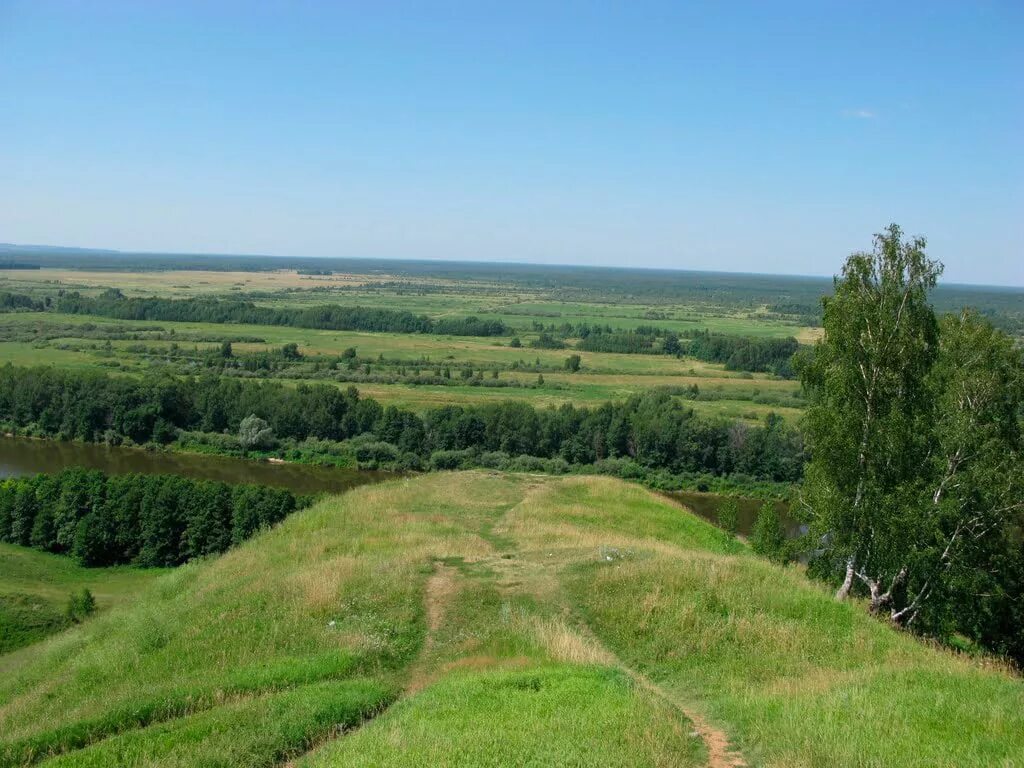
(411, 623)
(518, 305)
(519, 295)
(78, 341)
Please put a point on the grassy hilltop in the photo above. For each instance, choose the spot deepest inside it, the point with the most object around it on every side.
(488, 619)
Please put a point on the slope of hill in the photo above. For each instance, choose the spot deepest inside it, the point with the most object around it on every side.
(35, 587)
(488, 619)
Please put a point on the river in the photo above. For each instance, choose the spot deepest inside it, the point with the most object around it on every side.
(25, 456)
(706, 505)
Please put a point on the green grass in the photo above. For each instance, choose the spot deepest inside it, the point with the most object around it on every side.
(257, 731)
(35, 587)
(537, 716)
(479, 618)
(604, 376)
(798, 678)
(54, 577)
(26, 353)
(500, 653)
(25, 619)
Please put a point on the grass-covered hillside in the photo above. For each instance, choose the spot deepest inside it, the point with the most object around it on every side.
(487, 619)
(35, 588)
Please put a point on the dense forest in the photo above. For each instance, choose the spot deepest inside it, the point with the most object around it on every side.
(643, 340)
(332, 317)
(655, 430)
(146, 520)
(12, 302)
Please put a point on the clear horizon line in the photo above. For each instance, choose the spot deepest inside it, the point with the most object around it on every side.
(213, 254)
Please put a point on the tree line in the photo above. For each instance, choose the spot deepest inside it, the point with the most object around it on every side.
(332, 317)
(737, 352)
(745, 353)
(655, 429)
(639, 341)
(143, 520)
(11, 302)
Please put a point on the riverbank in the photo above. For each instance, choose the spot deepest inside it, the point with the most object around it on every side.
(300, 470)
(29, 455)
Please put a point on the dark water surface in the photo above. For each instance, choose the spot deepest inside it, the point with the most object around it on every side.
(706, 505)
(25, 456)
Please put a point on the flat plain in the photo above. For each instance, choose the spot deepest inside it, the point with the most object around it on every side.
(95, 342)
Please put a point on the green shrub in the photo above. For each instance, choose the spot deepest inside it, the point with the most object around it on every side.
(769, 537)
(81, 605)
(728, 514)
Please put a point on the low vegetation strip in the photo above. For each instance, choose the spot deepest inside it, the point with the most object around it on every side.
(258, 731)
(332, 317)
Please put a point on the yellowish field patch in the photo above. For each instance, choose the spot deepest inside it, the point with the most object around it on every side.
(182, 283)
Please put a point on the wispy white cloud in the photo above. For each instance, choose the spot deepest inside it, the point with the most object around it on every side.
(860, 114)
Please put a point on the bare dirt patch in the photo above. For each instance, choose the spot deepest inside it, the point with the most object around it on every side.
(720, 753)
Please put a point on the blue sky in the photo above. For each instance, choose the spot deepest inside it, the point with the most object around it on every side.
(761, 136)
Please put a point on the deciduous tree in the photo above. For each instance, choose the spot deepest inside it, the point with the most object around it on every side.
(914, 427)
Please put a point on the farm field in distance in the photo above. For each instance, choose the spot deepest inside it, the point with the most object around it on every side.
(406, 369)
(80, 341)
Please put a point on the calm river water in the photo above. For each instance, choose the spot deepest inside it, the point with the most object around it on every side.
(23, 456)
(706, 505)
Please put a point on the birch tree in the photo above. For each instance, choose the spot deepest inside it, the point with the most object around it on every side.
(915, 481)
(866, 383)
